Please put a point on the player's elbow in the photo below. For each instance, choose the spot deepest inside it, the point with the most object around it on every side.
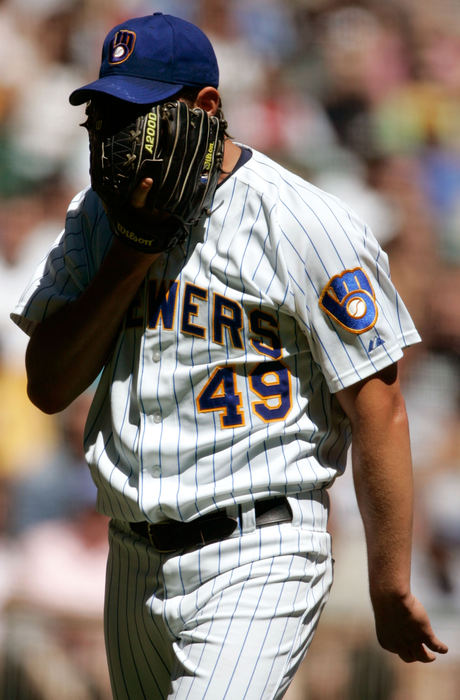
(43, 389)
(44, 398)
(398, 410)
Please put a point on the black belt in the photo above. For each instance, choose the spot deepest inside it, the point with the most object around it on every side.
(173, 535)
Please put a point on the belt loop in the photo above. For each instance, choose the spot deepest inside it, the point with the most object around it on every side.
(247, 517)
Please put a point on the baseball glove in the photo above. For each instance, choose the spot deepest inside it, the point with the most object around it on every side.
(180, 148)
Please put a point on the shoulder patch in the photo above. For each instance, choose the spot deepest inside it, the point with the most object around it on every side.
(348, 298)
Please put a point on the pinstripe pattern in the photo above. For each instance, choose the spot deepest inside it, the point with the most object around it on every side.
(272, 244)
(219, 392)
(238, 633)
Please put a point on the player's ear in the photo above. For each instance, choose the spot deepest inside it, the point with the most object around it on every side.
(208, 99)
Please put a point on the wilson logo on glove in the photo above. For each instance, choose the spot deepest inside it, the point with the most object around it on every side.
(130, 235)
(208, 159)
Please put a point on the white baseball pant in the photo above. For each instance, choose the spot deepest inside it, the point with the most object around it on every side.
(232, 619)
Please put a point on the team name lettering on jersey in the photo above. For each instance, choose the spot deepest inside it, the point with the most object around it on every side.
(226, 319)
(162, 299)
(348, 298)
(269, 382)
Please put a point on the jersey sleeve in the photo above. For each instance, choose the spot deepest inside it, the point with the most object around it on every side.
(355, 321)
(68, 267)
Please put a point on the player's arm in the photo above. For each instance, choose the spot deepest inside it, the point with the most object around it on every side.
(382, 472)
(67, 350)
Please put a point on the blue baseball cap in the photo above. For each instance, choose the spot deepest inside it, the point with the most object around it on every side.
(148, 59)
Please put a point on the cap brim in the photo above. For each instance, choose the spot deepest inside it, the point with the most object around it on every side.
(125, 87)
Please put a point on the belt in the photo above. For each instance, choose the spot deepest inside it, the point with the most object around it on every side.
(172, 535)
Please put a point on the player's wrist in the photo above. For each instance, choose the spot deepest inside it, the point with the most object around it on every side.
(390, 596)
(128, 257)
(145, 231)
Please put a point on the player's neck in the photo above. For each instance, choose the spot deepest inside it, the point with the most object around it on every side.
(232, 153)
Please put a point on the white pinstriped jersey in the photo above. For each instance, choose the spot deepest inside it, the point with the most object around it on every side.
(220, 387)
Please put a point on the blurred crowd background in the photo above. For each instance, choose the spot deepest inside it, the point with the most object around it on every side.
(363, 99)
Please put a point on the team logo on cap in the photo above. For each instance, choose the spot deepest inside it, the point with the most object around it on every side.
(348, 298)
(121, 46)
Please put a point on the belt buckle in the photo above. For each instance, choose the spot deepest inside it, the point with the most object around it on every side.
(154, 542)
(211, 528)
(225, 525)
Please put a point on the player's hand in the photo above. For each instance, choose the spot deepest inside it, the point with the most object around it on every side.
(139, 201)
(139, 196)
(138, 220)
(403, 627)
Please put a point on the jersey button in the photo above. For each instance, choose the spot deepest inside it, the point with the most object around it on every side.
(157, 417)
(156, 356)
(156, 470)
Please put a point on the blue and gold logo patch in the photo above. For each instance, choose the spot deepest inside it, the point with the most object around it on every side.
(348, 298)
(121, 46)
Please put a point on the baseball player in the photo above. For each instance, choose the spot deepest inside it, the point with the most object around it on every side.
(239, 352)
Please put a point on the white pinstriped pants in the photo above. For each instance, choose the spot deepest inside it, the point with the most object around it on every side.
(229, 620)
